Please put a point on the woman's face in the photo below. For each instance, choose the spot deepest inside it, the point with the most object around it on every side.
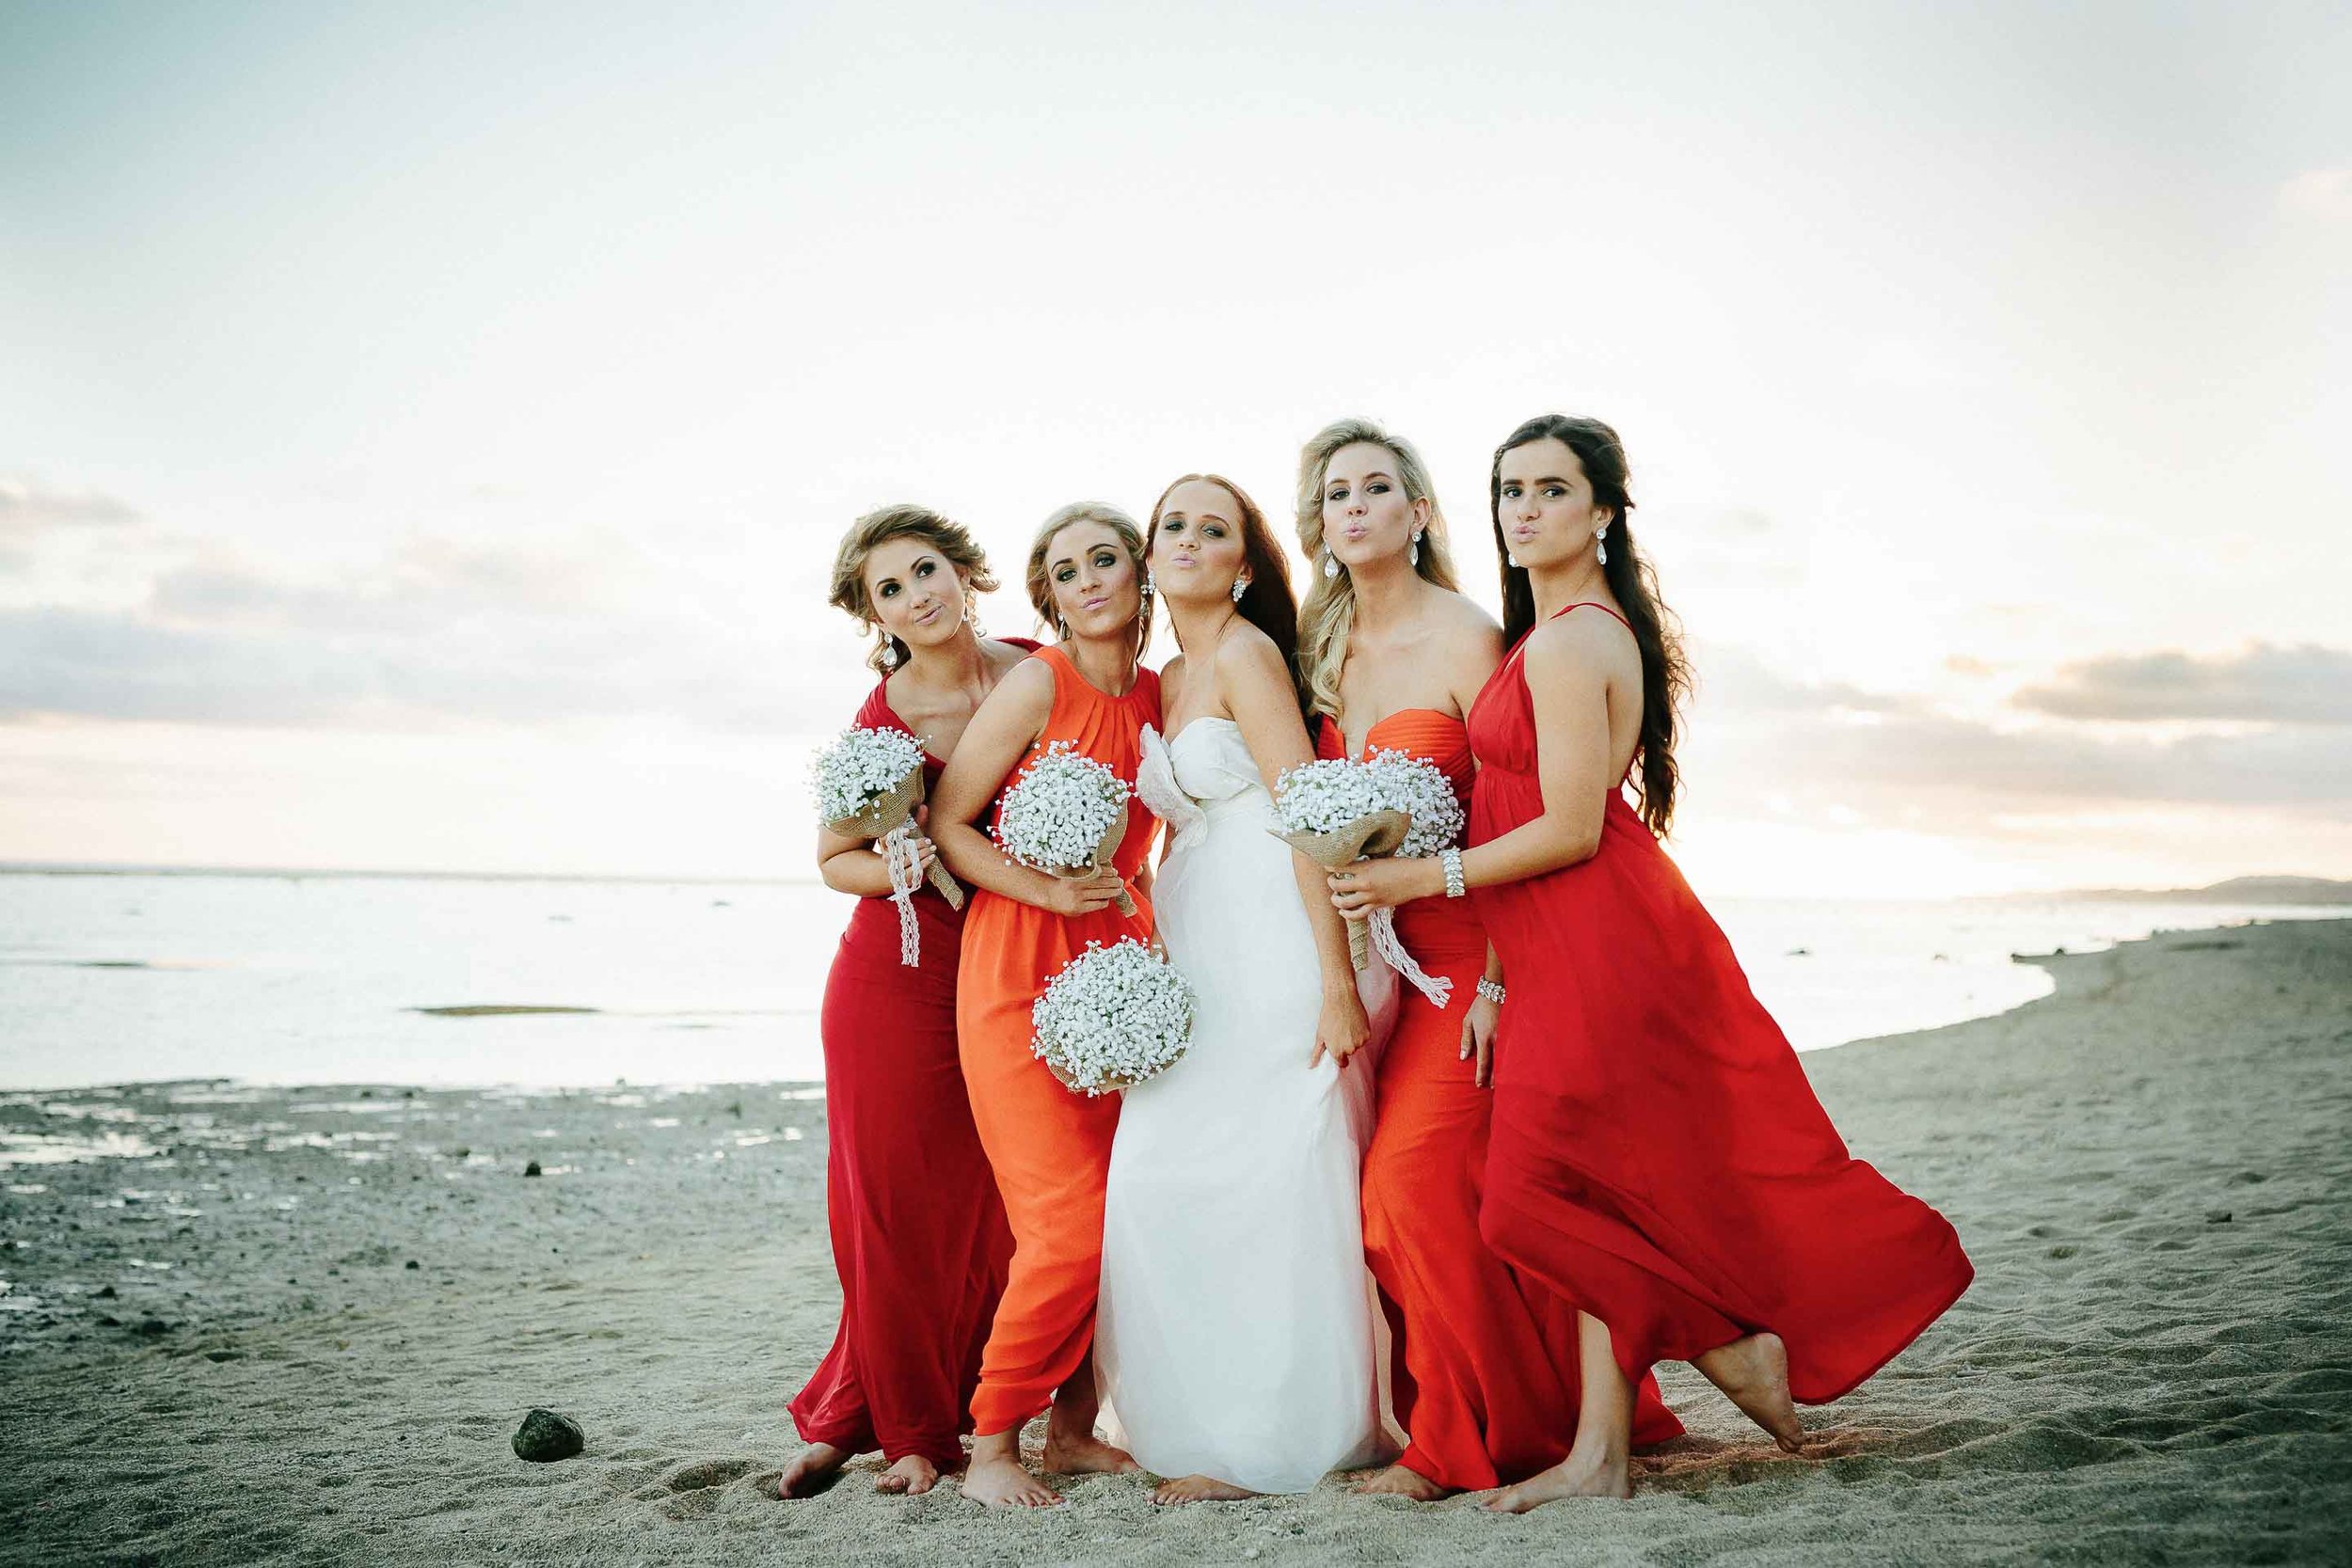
(1367, 515)
(1547, 509)
(1197, 545)
(917, 594)
(1093, 580)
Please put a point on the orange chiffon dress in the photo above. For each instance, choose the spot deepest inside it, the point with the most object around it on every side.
(1049, 1147)
(1482, 1366)
(918, 1235)
(1658, 1159)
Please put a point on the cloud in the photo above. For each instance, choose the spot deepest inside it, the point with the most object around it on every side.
(2303, 684)
(2318, 193)
(27, 508)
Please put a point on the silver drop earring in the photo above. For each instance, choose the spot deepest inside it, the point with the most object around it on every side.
(1150, 584)
(1061, 629)
(889, 653)
(1330, 563)
(1241, 586)
(1600, 542)
(1509, 557)
(1412, 557)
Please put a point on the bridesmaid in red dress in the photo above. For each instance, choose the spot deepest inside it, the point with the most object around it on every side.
(918, 1236)
(1658, 1160)
(1483, 1371)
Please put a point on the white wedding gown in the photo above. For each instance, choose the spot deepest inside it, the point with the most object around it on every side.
(1233, 1336)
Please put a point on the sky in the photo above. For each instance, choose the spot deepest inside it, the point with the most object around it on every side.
(424, 430)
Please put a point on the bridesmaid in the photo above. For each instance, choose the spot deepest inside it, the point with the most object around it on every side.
(918, 1236)
(1659, 1160)
(1483, 1368)
(1049, 1147)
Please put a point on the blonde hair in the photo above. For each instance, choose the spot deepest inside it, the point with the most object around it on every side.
(1330, 612)
(904, 521)
(1041, 590)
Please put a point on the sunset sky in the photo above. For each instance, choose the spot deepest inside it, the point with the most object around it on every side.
(424, 430)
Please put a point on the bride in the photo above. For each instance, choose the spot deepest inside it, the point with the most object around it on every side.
(1233, 1339)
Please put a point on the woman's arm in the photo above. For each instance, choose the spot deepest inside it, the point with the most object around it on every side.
(1009, 721)
(1567, 668)
(1257, 688)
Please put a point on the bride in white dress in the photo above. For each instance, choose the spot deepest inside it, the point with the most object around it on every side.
(1233, 1332)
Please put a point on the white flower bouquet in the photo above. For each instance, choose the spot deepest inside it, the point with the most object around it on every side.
(1065, 815)
(1113, 1017)
(867, 784)
(1338, 810)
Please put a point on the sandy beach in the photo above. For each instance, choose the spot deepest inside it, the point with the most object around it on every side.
(302, 1325)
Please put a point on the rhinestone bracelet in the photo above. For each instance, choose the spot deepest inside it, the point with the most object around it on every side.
(1490, 990)
(1452, 861)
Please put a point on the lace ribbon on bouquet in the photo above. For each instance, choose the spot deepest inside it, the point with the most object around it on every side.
(1385, 942)
(905, 877)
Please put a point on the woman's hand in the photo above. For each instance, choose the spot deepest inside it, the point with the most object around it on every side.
(1343, 1029)
(1076, 895)
(1478, 1038)
(926, 852)
(1363, 886)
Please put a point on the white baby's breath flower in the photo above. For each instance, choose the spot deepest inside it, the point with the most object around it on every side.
(860, 767)
(1418, 787)
(1113, 1017)
(1056, 814)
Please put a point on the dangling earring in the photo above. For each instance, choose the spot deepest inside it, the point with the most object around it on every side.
(1412, 557)
(1330, 563)
(1061, 629)
(1509, 557)
(1241, 586)
(1600, 542)
(972, 615)
(1150, 583)
(889, 652)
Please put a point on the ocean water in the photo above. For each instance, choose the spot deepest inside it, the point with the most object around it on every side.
(319, 979)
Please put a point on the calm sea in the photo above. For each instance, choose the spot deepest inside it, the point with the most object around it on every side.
(313, 979)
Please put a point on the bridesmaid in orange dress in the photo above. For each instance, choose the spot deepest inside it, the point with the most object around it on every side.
(1050, 1147)
(1482, 1373)
(1658, 1161)
(918, 1235)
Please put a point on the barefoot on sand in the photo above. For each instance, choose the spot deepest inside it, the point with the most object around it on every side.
(1597, 1474)
(1754, 1374)
(910, 1476)
(997, 1482)
(1088, 1455)
(810, 1469)
(1199, 1489)
(1403, 1481)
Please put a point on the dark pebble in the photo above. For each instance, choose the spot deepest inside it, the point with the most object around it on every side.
(224, 1355)
(532, 1169)
(414, 1264)
(152, 1326)
(2217, 1216)
(546, 1435)
(107, 1294)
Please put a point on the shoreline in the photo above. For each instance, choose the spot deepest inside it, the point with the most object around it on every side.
(2148, 1167)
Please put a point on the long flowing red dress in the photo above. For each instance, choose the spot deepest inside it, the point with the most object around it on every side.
(918, 1236)
(1482, 1366)
(1049, 1147)
(1658, 1159)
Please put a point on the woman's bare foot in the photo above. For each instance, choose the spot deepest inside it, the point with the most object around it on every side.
(1754, 1374)
(810, 1469)
(1403, 1481)
(1076, 1454)
(997, 1483)
(1585, 1473)
(910, 1476)
(1199, 1489)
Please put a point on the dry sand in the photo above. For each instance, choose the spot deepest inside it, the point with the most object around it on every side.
(2151, 1169)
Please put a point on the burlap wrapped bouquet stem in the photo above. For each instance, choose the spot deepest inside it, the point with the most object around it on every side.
(1371, 836)
(1104, 853)
(886, 815)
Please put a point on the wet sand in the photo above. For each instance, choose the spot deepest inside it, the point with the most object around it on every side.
(302, 1325)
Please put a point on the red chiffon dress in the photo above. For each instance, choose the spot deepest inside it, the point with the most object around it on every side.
(1657, 1158)
(919, 1238)
(1483, 1365)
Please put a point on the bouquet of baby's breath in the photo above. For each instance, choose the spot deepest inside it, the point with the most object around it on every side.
(1065, 815)
(867, 785)
(1336, 811)
(1113, 1017)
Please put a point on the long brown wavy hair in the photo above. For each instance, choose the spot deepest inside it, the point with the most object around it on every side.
(1665, 673)
(1267, 603)
(906, 521)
